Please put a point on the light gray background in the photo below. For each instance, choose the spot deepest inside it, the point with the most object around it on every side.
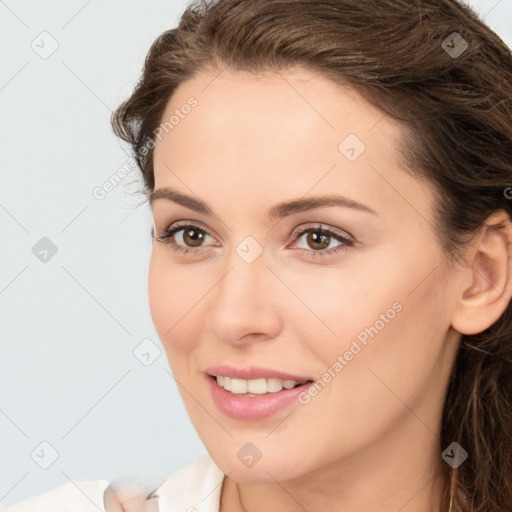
(69, 326)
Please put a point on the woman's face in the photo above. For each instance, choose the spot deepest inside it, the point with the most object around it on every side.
(363, 311)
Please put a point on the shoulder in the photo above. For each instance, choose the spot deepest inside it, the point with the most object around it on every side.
(75, 496)
(197, 485)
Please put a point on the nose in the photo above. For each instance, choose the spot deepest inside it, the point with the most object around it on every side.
(245, 303)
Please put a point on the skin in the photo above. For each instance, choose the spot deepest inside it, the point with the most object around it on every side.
(369, 440)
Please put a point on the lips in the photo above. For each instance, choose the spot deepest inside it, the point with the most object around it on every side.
(254, 372)
(249, 406)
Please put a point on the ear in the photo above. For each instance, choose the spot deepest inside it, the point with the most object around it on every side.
(487, 287)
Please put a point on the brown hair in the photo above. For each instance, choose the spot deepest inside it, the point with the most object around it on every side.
(458, 113)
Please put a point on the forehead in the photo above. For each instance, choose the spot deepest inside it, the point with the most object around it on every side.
(292, 130)
(303, 102)
(292, 114)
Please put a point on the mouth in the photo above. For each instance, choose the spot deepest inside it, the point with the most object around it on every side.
(254, 393)
(256, 387)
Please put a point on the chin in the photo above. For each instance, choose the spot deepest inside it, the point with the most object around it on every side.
(268, 468)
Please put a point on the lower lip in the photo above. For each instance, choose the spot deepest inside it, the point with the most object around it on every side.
(240, 407)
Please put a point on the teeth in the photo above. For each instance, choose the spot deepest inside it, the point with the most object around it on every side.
(257, 386)
(254, 387)
(289, 384)
(238, 386)
(274, 385)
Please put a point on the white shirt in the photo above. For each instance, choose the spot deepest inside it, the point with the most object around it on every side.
(195, 487)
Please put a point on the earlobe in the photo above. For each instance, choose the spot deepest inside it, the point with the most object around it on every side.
(485, 298)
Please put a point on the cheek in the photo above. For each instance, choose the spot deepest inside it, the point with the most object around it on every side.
(171, 301)
(386, 319)
(391, 356)
(340, 305)
(159, 294)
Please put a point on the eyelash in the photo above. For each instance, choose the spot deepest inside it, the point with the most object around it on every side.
(169, 232)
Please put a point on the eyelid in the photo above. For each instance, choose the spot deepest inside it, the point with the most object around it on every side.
(180, 224)
(296, 231)
(320, 226)
(185, 222)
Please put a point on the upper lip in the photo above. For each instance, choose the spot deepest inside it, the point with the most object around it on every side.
(253, 372)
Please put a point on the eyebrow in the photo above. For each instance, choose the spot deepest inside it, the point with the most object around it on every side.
(278, 211)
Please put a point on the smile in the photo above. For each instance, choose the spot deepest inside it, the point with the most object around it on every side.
(256, 398)
(255, 387)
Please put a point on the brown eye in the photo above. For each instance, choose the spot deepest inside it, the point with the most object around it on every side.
(193, 237)
(318, 241)
(183, 238)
